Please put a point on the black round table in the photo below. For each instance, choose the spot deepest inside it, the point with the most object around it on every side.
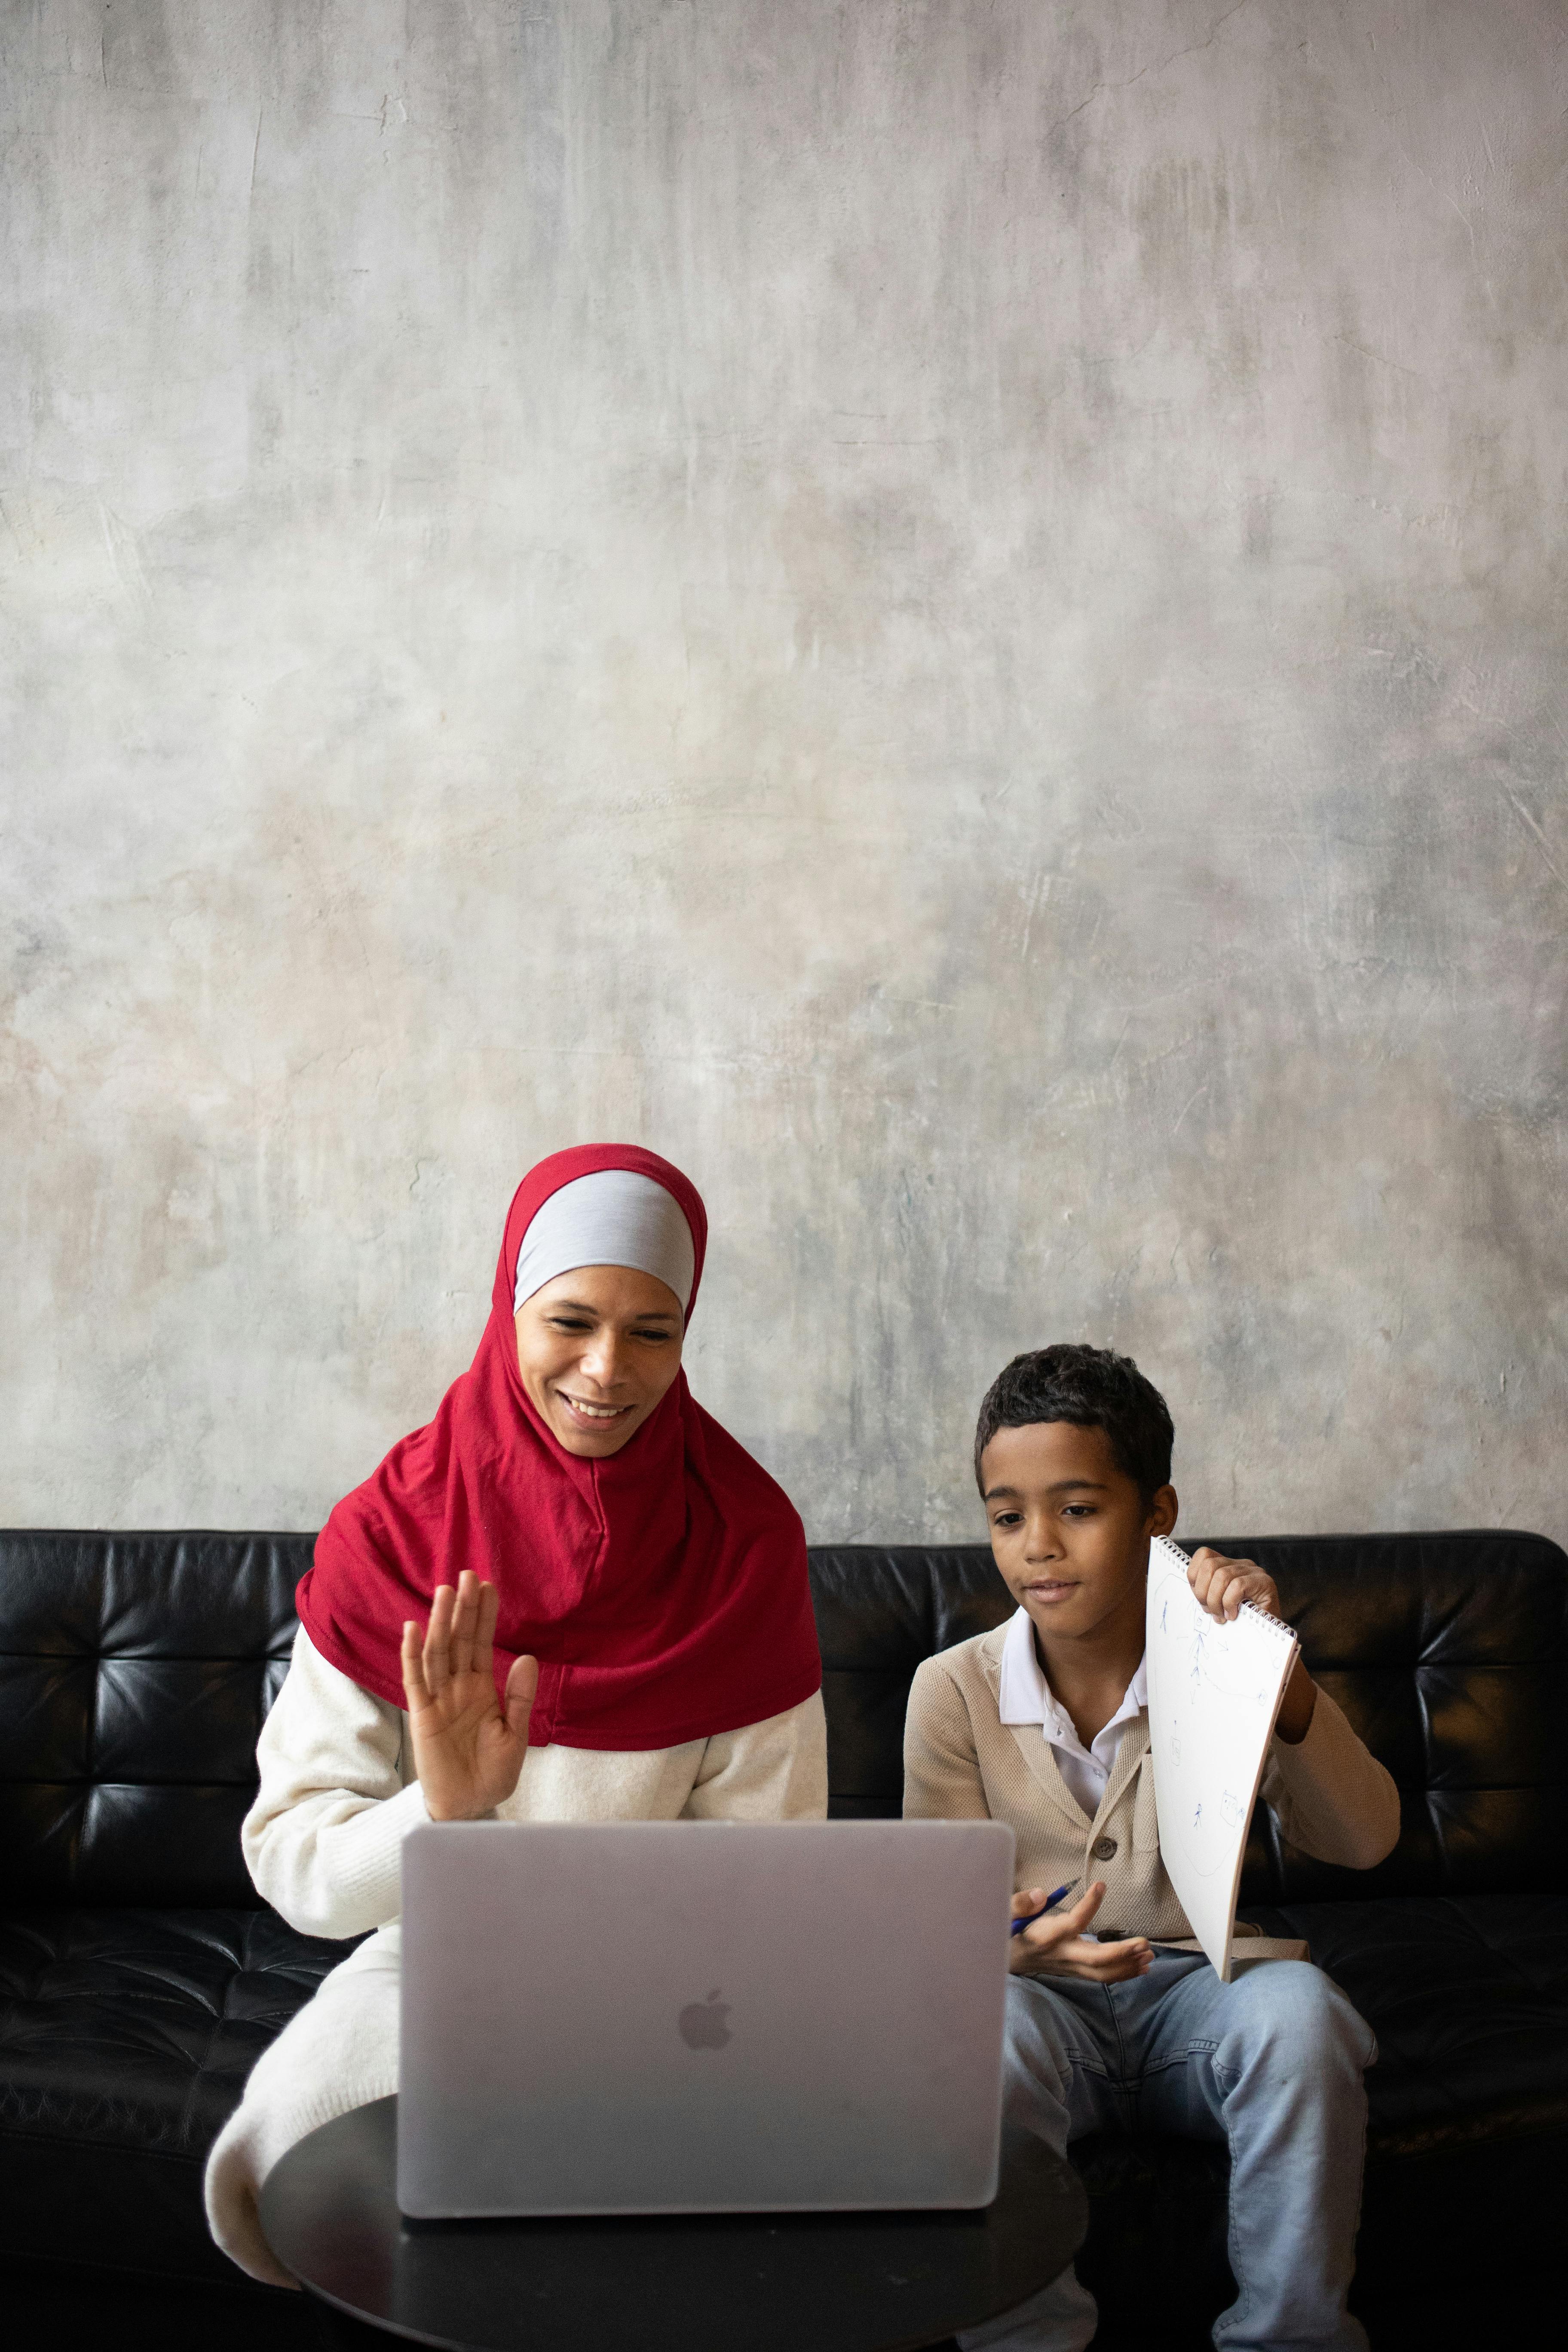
(710, 2283)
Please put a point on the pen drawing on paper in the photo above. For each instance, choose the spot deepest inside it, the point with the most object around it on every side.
(1214, 1693)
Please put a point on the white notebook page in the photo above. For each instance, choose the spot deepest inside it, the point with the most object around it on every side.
(1214, 1693)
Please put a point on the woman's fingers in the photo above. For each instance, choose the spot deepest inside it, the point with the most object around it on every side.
(465, 1622)
(1028, 1900)
(485, 1613)
(460, 1639)
(438, 1641)
(417, 1690)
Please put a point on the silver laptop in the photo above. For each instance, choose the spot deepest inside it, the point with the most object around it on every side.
(680, 2017)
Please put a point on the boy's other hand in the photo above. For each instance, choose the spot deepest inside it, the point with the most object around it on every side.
(1061, 1945)
(1220, 1586)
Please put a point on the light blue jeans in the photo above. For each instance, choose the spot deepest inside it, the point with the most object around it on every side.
(1272, 2064)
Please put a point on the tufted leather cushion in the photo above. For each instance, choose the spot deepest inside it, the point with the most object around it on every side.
(125, 2039)
(880, 1610)
(1447, 1654)
(135, 1673)
(1468, 1998)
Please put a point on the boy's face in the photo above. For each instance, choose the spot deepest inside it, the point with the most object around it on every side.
(1069, 1530)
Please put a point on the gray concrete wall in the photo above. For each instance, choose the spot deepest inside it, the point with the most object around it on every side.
(952, 613)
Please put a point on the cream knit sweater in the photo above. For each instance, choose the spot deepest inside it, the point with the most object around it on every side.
(1330, 1797)
(323, 1842)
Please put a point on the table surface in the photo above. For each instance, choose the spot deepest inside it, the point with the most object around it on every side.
(709, 2282)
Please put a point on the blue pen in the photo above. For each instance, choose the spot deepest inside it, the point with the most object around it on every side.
(1050, 1904)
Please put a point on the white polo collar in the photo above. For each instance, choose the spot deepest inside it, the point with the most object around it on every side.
(1024, 1695)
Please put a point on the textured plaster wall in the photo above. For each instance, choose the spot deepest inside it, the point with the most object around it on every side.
(952, 612)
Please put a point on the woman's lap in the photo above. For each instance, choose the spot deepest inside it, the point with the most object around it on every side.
(339, 2053)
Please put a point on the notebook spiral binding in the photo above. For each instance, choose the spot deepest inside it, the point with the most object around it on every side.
(1265, 1616)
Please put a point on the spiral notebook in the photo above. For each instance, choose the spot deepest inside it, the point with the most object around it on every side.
(1213, 1694)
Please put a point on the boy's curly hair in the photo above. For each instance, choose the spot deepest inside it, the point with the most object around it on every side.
(1093, 1387)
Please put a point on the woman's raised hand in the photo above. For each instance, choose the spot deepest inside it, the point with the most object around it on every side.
(468, 1747)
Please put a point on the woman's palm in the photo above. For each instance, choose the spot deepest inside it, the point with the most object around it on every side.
(469, 1748)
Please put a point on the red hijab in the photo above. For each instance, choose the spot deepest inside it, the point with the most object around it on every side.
(662, 1588)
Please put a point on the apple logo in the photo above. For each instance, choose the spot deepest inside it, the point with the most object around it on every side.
(701, 2022)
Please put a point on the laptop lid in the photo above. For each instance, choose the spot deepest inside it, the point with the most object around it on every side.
(670, 2017)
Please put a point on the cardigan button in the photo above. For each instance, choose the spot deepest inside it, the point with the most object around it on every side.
(1103, 1848)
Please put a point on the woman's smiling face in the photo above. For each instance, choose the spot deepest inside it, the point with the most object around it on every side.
(597, 1348)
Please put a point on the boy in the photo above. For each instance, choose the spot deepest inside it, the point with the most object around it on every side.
(1044, 1724)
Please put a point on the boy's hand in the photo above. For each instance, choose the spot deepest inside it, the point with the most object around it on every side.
(1220, 1586)
(1060, 1945)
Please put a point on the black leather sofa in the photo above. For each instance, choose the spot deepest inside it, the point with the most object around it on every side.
(139, 1977)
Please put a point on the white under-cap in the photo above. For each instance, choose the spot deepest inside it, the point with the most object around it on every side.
(613, 1217)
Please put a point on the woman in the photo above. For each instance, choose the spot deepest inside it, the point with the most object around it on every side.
(618, 1628)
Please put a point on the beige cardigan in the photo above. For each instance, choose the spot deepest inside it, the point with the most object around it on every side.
(961, 1763)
